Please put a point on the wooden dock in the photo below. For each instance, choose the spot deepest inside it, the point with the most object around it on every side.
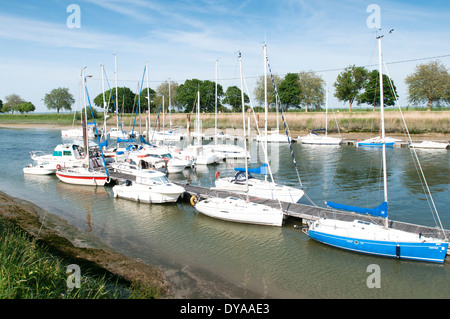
(297, 210)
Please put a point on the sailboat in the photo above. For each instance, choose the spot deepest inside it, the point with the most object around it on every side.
(317, 139)
(371, 238)
(92, 172)
(236, 209)
(244, 182)
(202, 155)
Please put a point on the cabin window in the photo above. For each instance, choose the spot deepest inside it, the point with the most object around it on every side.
(67, 153)
(57, 153)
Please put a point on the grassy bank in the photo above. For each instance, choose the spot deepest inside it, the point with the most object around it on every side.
(29, 270)
(34, 260)
(418, 122)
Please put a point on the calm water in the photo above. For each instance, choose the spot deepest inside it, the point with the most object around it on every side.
(204, 257)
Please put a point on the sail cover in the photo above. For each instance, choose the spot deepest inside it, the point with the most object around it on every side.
(263, 169)
(381, 210)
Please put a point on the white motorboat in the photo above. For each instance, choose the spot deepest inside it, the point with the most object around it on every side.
(429, 145)
(39, 169)
(64, 155)
(239, 210)
(150, 187)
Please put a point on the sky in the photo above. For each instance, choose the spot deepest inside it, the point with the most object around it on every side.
(45, 44)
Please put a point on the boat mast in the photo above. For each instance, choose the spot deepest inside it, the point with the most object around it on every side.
(382, 125)
(326, 113)
(215, 106)
(148, 103)
(117, 101)
(243, 121)
(104, 101)
(266, 159)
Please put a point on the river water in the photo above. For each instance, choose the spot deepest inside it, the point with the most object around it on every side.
(207, 258)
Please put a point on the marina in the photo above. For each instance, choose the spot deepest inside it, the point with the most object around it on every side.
(205, 257)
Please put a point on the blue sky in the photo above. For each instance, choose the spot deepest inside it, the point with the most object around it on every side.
(183, 39)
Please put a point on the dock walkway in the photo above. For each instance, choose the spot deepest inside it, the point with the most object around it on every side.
(297, 210)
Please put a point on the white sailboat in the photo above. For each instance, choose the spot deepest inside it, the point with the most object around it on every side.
(240, 210)
(316, 139)
(375, 239)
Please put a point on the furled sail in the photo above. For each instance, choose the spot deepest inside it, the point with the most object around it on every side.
(381, 210)
(263, 169)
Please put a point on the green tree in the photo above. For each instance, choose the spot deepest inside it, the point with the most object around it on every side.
(312, 92)
(430, 84)
(259, 89)
(126, 100)
(186, 95)
(58, 99)
(144, 100)
(1, 106)
(234, 99)
(371, 94)
(25, 107)
(163, 90)
(349, 84)
(289, 91)
(12, 101)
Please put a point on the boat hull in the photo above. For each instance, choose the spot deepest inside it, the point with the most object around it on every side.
(239, 211)
(82, 179)
(146, 194)
(421, 251)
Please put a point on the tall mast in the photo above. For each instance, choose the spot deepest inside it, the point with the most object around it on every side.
(243, 121)
(148, 103)
(215, 107)
(104, 101)
(383, 136)
(266, 158)
(117, 101)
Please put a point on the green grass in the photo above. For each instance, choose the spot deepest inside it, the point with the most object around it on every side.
(29, 271)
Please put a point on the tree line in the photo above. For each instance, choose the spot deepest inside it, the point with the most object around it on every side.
(429, 84)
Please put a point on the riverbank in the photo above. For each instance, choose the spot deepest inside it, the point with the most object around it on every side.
(339, 122)
(146, 280)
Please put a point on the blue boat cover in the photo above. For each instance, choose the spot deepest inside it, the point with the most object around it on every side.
(381, 210)
(263, 169)
(120, 140)
(104, 143)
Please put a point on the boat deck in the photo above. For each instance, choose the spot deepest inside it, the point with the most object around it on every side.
(301, 211)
